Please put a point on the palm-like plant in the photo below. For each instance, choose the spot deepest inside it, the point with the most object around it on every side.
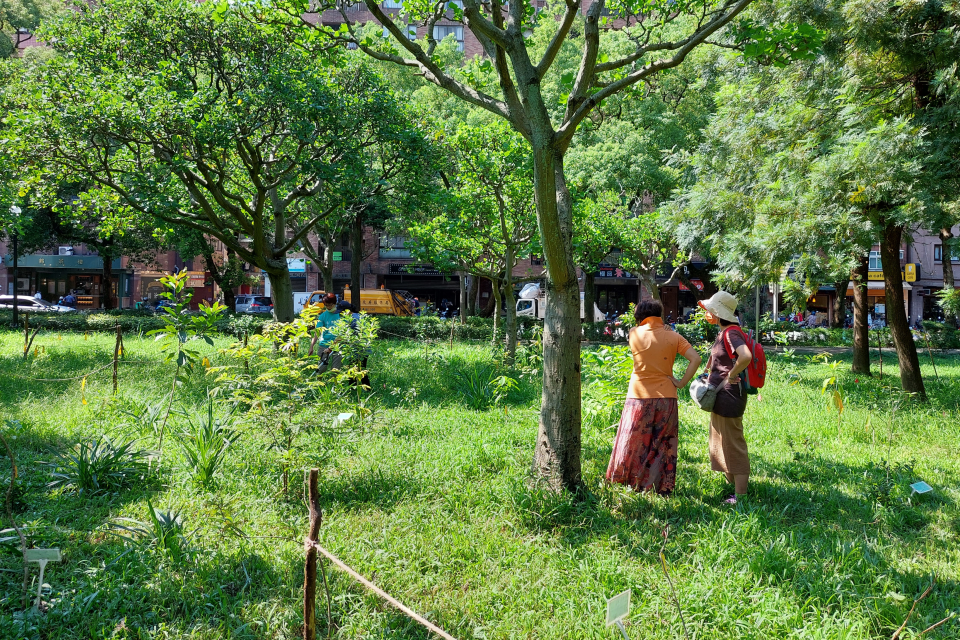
(97, 466)
(163, 531)
(205, 444)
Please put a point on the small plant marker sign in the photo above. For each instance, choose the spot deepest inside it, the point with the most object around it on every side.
(921, 487)
(41, 557)
(618, 607)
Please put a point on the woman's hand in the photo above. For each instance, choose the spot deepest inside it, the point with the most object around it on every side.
(677, 383)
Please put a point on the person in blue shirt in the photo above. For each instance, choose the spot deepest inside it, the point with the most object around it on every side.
(325, 335)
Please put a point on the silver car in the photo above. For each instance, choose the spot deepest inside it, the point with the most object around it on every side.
(31, 304)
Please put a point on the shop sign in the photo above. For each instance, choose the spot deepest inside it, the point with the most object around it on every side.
(297, 265)
(613, 272)
(697, 283)
(413, 270)
(338, 256)
(908, 274)
(196, 278)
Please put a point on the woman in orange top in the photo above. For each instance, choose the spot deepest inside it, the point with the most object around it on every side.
(645, 449)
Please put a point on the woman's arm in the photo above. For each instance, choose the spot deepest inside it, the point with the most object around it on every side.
(693, 364)
(743, 361)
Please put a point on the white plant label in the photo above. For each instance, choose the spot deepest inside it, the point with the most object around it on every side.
(921, 487)
(618, 607)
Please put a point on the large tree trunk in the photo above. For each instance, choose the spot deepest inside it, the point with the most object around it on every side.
(861, 332)
(557, 455)
(510, 306)
(946, 238)
(910, 378)
(282, 292)
(107, 285)
(840, 303)
(589, 294)
(356, 242)
(462, 276)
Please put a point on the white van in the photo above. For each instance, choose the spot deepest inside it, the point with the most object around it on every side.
(537, 307)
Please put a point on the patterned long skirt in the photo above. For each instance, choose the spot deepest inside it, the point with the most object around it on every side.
(645, 449)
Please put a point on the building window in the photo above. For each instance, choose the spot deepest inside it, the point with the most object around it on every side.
(938, 253)
(411, 32)
(536, 260)
(393, 247)
(393, 4)
(439, 33)
(876, 264)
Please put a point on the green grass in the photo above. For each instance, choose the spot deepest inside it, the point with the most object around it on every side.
(433, 501)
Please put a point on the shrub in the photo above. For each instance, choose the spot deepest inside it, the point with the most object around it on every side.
(97, 466)
(481, 387)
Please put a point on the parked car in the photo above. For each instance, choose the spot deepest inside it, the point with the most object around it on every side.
(243, 301)
(260, 304)
(32, 305)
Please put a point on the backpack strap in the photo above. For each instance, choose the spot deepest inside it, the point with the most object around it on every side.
(728, 344)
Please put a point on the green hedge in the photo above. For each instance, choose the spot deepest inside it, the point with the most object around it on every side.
(130, 321)
(434, 328)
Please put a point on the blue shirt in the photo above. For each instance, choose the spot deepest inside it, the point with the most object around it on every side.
(326, 320)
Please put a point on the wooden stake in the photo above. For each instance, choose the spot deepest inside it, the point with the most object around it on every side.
(116, 358)
(880, 352)
(930, 351)
(310, 566)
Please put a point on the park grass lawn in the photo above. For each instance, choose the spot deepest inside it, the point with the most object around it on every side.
(433, 501)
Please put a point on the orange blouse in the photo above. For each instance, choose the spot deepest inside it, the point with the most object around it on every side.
(654, 349)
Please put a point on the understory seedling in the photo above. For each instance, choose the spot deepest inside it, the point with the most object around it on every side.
(481, 387)
(182, 327)
(836, 396)
(275, 384)
(205, 443)
(163, 531)
(97, 466)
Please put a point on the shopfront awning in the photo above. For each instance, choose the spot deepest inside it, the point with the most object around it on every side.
(877, 289)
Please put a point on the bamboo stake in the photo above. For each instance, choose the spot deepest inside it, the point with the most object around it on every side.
(383, 594)
(116, 357)
(930, 351)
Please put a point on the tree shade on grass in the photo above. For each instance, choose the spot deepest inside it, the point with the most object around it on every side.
(434, 501)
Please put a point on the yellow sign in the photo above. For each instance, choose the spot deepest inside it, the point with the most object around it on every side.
(909, 274)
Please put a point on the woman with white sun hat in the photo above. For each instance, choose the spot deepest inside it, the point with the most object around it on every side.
(728, 448)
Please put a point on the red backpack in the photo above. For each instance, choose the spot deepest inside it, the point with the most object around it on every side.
(757, 369)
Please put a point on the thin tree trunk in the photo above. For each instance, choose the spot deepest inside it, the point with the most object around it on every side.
(325, 266)
(589, 294)
(557, 453)
(910, 377)
(510, 306)
(861, 332)
(840, 303)
(106, 287)
(462, 275)
(497, 306)
(472, 292)
(356, 242)
(229, 297)
(946, 238)
(487, 310)
(282, 293)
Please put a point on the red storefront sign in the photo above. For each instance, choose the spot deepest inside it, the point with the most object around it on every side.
(697, 283)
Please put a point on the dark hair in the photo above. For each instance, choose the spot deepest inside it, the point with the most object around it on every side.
(647, 309)
(727, 323)
(330, 298)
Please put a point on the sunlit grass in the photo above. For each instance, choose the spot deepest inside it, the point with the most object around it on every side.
(433, 501)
